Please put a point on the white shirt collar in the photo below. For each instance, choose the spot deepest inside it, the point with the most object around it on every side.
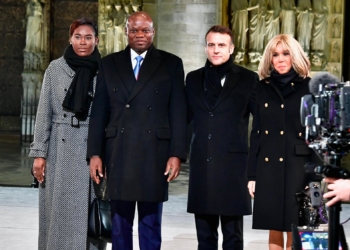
(133, 55)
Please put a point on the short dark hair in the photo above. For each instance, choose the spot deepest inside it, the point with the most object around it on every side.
(82, 21)
(219, 29)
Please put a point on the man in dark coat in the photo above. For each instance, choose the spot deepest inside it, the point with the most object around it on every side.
(220, 99)
(138, 127)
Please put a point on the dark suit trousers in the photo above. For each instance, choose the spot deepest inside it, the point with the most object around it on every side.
(150, 219)
(207, 233)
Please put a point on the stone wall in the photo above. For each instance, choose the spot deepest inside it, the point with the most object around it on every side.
(12, 43)
(65, 12)
(181, 26)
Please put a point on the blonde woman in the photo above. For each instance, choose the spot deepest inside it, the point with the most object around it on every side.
(278, 151)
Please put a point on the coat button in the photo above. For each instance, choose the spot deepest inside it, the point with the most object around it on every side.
(115, 89)
(211, 114)
(64, 115)
(209, 159)
(266, 159)
(65, 90)
(149, 107)
(266, 132)
(127, 105)
(281, 132)
(63, 140)
(282, 106)
(149, 131)
(300, 134)
(281, 159)
(209, 136)
(122, 130)
(156, 90)
(292, 83)
(258, 131)
(266, 105)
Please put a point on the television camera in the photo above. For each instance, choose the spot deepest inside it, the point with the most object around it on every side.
(325, 113)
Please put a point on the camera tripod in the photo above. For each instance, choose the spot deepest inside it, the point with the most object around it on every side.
(336, 233)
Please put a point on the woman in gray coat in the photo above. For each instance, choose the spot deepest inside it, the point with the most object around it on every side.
(278, 151)
(59, 145)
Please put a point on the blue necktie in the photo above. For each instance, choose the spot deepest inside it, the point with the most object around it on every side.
(137, 66)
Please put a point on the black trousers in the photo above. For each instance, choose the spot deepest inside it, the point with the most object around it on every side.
(207, 231)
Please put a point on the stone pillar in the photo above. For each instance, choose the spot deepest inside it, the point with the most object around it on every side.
(35, 56)
(181, 27)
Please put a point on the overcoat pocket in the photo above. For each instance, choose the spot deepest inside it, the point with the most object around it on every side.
(110, 132)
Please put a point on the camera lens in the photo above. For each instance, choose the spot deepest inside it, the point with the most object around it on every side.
(316, 194)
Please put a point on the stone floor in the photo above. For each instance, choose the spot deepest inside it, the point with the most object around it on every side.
(19, 208)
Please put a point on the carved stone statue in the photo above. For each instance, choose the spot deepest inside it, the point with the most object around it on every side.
(304, 24)
(318, 61)
(337, 6)
(335, 71)
(136, 6)
(335, 52)
(257, 32)
(336, 28)
(34, 35)
(239, 22)
(319, 28)
(273, 9)
(119, 20)
(239, 58)
(288, 17)
(109, 30)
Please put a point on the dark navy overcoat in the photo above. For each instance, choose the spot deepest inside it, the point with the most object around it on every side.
(219, 145)
(137, 131)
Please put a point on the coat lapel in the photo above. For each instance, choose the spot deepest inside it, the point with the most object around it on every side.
(124, 66)
(231, 80)
(149, 66)
(200, 88)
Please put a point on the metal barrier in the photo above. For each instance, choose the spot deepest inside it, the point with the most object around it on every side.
(28, 116)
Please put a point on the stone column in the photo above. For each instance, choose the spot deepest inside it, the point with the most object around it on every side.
(181, 27)
(35, 56)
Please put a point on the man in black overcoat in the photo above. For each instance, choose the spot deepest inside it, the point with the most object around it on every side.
(220, 100)
(138, 130)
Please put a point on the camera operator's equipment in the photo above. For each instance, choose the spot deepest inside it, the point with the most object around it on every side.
(315, 193)
(326, 116)
(305, 238)
(312, 211)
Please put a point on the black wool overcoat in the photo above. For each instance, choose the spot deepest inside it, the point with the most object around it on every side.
(137, 131)
(219, 145)
(278, 153)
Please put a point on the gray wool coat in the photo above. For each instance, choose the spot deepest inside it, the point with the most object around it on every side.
(65, 194)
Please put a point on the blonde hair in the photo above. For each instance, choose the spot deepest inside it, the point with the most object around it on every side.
(300, 62)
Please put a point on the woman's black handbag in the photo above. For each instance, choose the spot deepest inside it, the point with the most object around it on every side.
(100, 219)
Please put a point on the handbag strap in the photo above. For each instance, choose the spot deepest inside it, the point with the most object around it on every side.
(104, 190)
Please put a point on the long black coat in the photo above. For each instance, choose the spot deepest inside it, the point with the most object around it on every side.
(219, 145)
(136, 132)
(278, 153)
